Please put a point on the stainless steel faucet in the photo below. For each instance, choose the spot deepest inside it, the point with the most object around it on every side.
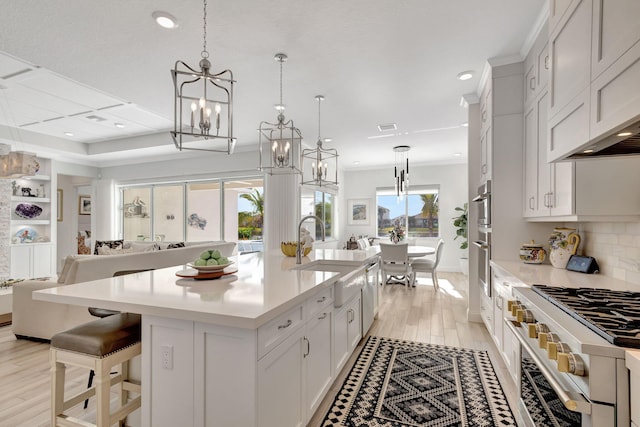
(298, 245)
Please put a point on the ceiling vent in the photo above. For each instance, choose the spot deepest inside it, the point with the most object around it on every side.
(388, 127)
(96, 118)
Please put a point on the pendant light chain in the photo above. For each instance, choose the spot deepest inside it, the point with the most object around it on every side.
(319, 102)
(205, 54)
(281, 104)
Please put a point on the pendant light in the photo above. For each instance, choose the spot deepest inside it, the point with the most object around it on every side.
(279, 143)
(203, 104)
(320, 165)
(401, 170)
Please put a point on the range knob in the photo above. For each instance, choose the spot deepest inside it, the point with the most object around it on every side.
(570, 363)
(511, 303)
(553, 348)
(515, 307)
(536, 329)
(524, 315)
(545, 338)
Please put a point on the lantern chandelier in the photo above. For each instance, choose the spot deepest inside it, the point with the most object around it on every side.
(203, 104)
(401, 170)
(280, 143)
(319, 160)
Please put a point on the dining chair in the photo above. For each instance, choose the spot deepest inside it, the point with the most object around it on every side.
(395, 263)
(426, 265)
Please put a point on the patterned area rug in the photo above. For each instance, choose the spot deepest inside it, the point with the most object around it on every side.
(403, 383)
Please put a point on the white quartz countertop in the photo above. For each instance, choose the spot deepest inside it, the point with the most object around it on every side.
(545, 274)
(632, 360)
(263, 288)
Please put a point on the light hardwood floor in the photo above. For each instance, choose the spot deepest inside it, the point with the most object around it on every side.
(417, 314)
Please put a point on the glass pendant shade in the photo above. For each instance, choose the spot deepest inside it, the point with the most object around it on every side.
(203, 105)
(280, 142)
(401, 170)
(320, 165)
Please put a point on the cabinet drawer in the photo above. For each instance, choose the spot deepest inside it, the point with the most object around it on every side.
(317, 302)
(274, 332)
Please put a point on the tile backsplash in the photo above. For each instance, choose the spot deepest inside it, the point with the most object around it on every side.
(616, 247)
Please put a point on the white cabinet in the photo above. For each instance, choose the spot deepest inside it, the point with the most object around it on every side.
(486, 312)
(548, 186)
(31, 260)
(633, 365)
(536, 67)
(505, 341)
(29, 224)
(346, 332)
(595, 66)
(570, 51)
(557, 8)
(486, 115)
(281, 384)
(318, 356)
(615, 71)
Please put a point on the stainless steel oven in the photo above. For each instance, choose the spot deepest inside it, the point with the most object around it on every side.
(483, 247)
(483, 198)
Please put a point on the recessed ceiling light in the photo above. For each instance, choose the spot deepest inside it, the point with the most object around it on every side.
(119, 125)
(68, 133)
(164, 19)
(588, 151)
(465, 75)
(328, 139)
(464, 125)
(457, 154)
(356, 162)
(625, 134)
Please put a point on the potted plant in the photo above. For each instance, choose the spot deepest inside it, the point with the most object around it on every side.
(460, 223)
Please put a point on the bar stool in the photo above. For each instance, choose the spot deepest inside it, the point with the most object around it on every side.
(98, 345)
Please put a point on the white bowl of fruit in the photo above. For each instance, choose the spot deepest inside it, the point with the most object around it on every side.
(210, 261)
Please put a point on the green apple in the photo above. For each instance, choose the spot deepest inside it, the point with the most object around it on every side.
(212, 262)
(215, 254)
(200, 262)
(205, 255)
(223, 260)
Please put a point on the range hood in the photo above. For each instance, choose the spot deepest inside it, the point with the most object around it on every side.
(623, 142)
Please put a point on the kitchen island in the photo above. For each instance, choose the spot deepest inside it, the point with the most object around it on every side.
(256, 348)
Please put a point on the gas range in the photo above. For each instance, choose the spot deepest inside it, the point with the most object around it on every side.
(568, 359)
(613, 315)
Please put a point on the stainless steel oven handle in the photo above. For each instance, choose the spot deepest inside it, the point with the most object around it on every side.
(481, 245)
(574, 402)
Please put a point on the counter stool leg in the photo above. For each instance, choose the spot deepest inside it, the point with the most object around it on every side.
(57, 387)
(124, 394)
(103, 387)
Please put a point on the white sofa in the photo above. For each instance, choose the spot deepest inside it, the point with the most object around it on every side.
(40, 320)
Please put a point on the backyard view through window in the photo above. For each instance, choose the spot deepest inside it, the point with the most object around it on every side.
(416, 213)
(320, 204)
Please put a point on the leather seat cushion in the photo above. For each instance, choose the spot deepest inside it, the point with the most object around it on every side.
(102, 336)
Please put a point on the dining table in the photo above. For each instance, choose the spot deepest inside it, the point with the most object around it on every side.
(413, 251)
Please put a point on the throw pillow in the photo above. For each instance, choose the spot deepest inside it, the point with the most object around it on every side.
(143, 247)
(108, 243)
(105, 250)
(175, 245)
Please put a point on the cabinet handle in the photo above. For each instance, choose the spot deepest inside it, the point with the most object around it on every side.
(499, 302)
(550, 199)
(350, 315)
(484, 168)
(308, 347)
(323, 299)
(484, 116)
(324, 316)
(546, 200)
(531, 202)
(289, 323)
(532, 83)
(546, 62)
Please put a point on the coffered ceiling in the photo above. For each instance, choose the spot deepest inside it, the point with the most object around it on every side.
(89, 81)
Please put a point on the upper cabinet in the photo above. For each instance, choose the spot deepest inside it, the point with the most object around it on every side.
(615, 66)
(486, 112)
(594, 48)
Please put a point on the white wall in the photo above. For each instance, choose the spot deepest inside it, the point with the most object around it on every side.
(452, 180)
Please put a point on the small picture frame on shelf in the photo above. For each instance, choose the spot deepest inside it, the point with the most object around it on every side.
(359, 211)
(84, 205)
(60, 201)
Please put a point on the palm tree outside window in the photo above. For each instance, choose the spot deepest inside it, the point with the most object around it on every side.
(417, 212)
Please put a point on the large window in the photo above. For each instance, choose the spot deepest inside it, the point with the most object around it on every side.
(230, 210)
(417, 212)
(322, 205)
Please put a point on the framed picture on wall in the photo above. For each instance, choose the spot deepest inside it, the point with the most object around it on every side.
(84, 205)
(359, 211)
(60, 200)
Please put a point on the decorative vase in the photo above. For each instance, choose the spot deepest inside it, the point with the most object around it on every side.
(563, 243)
(532, 253)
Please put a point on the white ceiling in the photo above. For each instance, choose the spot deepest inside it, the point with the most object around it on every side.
(375, 61)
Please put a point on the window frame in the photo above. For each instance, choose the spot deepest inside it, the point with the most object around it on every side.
(414, 190)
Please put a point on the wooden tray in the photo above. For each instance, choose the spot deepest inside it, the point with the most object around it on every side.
(202, 275)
